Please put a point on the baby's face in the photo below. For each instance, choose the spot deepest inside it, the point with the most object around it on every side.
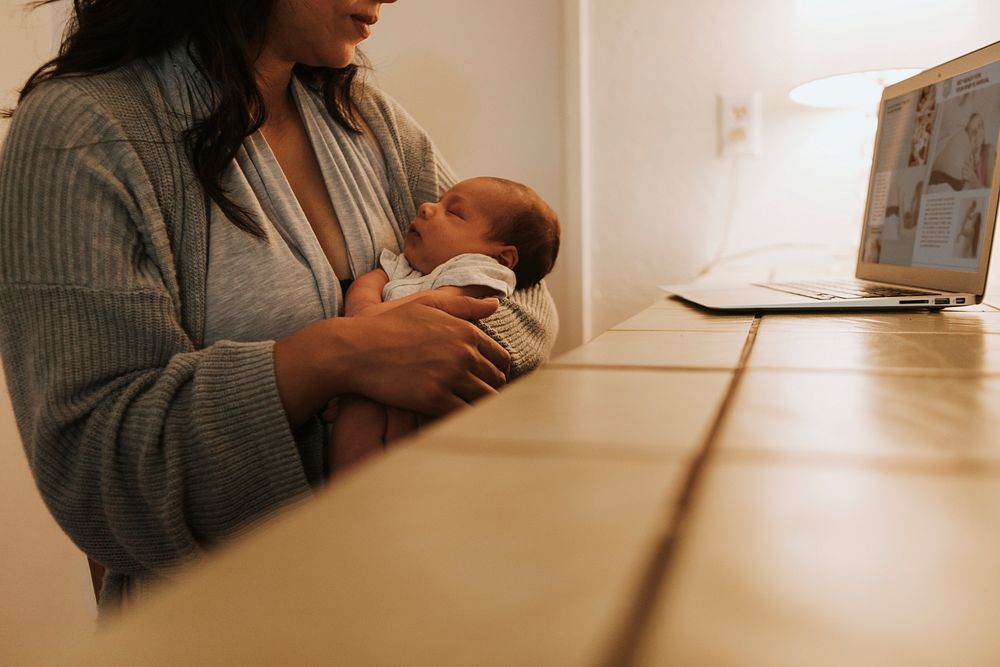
(460, 222)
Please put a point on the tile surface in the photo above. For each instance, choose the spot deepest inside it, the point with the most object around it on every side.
(665, 349)
(947, 321)
(684, 319)
(932, 352)
(418, 559)
(896, 417)
(806, 566)
(849, 514)
(609, 409)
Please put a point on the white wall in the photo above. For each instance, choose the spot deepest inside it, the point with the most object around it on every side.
(45, 590)
(493, 83)
(46, 596)
(27, 39)
(660, 194)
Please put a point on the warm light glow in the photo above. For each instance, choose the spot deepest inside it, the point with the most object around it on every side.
(857, 90)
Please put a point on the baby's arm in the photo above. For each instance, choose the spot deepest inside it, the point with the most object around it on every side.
(357, 432)
(364, 292)
(478, 291)
(363, 427)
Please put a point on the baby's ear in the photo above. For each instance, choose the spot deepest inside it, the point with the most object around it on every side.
(506, 255)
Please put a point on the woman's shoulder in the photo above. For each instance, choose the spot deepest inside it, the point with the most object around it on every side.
(62, 111)
(89, 104)
(374, 101)
(121, 82)
(366, 90)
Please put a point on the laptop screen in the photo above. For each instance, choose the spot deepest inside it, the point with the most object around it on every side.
(933, 170)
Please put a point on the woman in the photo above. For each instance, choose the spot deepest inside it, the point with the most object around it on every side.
(967, 239)
(965, 161)
(181, 192)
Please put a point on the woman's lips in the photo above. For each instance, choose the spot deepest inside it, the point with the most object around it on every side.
(364, 23)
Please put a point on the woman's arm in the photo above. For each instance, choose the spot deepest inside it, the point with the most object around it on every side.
(144, 447)
(422, 356)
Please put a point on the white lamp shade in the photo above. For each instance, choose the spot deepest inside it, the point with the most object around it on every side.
(855, 90)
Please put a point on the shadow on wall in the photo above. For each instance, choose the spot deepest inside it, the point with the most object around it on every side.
(45, 585)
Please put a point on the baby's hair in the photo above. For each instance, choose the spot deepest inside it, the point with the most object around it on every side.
(531, 226)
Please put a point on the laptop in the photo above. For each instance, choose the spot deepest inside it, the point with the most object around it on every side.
(932, 202)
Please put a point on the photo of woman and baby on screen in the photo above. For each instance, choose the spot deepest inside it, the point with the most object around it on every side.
(934, 167)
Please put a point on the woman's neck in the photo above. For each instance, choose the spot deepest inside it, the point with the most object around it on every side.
(274, 77)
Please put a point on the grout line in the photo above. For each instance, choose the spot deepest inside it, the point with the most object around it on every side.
(631, 367)
(630, 636)
(553, 449)
(887, 371)
(883, 462)
(660, 329)
(774, 331)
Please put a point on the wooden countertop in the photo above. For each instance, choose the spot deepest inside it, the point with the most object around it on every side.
(686, 488)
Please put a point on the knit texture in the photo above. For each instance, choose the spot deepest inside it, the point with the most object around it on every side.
(146, 446)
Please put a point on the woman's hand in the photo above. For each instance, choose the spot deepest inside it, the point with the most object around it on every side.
(423, 355)
(442, 364)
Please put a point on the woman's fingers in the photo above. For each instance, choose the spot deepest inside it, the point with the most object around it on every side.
(493, 373)
(461, 396)
(443, 404)
(495, 354)
(470, 308)
(422, 356)
(474, 389)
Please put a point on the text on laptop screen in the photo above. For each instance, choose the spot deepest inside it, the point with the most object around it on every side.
(933, 171)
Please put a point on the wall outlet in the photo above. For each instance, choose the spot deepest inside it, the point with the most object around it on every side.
(739, 125)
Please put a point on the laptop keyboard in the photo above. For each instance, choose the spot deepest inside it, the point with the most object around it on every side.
(826, 290)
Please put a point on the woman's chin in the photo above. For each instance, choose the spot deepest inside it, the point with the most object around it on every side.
(338, 59)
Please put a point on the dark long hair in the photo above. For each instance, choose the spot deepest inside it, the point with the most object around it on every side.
(224, 38)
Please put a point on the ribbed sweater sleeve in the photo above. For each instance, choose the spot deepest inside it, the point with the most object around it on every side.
(145, 448)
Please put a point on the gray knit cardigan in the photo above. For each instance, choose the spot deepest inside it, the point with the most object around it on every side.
(147, 446)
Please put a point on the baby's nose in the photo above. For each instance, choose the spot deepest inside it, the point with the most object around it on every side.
(426, 209)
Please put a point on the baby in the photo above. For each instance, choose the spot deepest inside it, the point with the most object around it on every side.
(485, 237)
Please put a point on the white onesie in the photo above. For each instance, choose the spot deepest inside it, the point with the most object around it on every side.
(459, 271)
